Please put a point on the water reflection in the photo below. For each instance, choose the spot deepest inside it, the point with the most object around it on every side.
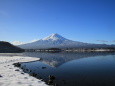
(73, 69)
(57, 59)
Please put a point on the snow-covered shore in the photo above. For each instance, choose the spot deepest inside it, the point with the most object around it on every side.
(13, 76)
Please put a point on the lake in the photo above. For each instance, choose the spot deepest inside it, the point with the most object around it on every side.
(72, 68)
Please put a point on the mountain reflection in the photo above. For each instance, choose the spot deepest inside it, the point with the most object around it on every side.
(57, 59)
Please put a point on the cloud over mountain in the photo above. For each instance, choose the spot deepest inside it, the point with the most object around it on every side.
(17, 43)
(102, 40)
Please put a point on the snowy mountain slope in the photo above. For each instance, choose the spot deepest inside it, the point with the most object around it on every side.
(54, 36)
(56, 41)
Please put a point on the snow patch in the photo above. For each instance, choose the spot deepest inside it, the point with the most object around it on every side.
(10, 77)
(54, 36)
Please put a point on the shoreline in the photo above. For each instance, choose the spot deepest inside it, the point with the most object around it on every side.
(14, 76)
(98, 50)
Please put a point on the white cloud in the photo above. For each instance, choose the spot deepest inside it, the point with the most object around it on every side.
(17, 43)
(102, 40)
(34, 40)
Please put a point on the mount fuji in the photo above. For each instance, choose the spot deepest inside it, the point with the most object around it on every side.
(57, 41)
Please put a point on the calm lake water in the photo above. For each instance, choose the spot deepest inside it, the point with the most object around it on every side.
(73, 69)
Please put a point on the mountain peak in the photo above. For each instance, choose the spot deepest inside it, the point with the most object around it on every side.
(54, 36)
(56, 41)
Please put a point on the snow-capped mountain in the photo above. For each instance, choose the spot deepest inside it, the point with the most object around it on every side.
(54, 37)
(57, 41)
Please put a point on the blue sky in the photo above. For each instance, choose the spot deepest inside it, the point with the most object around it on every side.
(91, 21)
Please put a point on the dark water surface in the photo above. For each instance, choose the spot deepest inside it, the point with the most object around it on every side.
(73, 69)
